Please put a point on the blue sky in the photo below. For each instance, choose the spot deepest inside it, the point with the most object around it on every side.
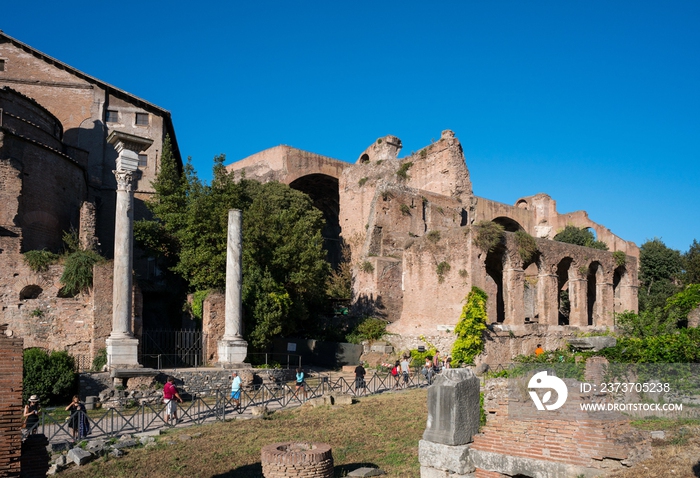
(595, 103)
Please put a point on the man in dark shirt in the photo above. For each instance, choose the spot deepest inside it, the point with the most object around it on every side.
(359, 379)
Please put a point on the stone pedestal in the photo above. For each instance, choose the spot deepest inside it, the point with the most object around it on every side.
(232, 352)
(122, 352)
(453, 408)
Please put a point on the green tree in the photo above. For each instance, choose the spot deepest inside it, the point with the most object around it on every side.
(284, 266)
(581, 236)
(50, 376)
(659, 271)
(470, 328)
(691, 264)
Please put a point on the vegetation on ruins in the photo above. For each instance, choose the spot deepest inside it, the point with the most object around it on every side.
(39, 261)
(402, 172)
(78, 265)
(51, 376)
(339, 283)
(369, 328)
(470, 328)
(433, 236)
(527, 247)
(441, 269)
(100, 360)
(198, 303)
(487, 235)
(362, 181)
(405, 210)
(283, 258)
(620, 258)
(367, 267)
(691, 264)
(580, 236)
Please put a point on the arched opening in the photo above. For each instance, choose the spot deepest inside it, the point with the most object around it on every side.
(364, 159)
(594, 278)
(494, 269)
(564, 305)
(509, 224)
(530, 293)
(30, 292)
(620, 278)
(522, 204)
(323, 191)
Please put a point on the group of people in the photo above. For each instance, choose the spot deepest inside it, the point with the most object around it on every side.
(401, 373)
(77, 420)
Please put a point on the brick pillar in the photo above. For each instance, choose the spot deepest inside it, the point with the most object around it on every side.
(578, 297)
(548, 299)
(514, 296)
(605, 305)
(10, 402)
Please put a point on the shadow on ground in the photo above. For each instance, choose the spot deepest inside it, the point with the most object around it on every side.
(255, 471)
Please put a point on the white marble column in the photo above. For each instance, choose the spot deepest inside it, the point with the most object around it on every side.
(122, 346)
(232, 348)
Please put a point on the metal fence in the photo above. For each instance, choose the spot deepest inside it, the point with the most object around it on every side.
(172, 348)
(215, 405)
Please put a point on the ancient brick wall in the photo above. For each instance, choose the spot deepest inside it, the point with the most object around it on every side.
(213, 324)
(11, 347)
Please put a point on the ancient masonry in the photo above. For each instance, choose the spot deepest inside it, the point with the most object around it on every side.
(410, 224)
(10, 402)
(56, 175)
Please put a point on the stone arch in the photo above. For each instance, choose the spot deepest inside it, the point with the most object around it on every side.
(621, 289)
(510, 225)
(324, 193)
(31, 291)
(364, 159)
(595, 281)
(563, 290)
(522, 204)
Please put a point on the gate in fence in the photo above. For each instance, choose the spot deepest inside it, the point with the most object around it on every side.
(172, 348)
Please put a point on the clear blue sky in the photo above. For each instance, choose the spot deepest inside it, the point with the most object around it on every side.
(595, 103)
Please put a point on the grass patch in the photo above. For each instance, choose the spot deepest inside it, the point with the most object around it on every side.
(382, 430)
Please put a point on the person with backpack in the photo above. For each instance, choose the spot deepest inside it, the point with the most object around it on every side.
(396, 373)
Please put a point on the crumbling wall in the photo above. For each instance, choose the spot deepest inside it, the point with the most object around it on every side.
(213, 324)
(10, 402)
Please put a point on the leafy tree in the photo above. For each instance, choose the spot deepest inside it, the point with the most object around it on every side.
(284, 266)
(691, 264)
(50, 376)
(647, 323)
(470, 328)
(680, 305)
(659, 270)
(580, 236)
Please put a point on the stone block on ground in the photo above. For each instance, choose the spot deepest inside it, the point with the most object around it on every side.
(259, 411)
(593, 343)
(61, 460)
(366, 471)
(453, 459)
(341, 399)
(79, 456)
(149, 433)
(453, 408)
(125, 444)
(116, 453)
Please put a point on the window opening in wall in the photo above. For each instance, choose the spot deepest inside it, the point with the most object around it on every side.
(143, 160)
(2, 64)
(142, 119)
(112, 116)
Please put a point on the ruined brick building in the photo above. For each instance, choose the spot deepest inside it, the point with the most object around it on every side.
(56, 174)
(410, 224)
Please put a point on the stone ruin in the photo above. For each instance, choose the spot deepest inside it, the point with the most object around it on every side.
(297, 459)
(411, 227)
(511, 444)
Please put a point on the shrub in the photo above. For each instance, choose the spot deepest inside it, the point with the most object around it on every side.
(37, 313)
(527, 247)
(679, 306)
(418, 358)
(580, 236)
(402, 173)
(405, 210)
(487, 235)
(423, 153)
(370, 329)
(77, 275)
(442, 269)
(39, 261)
(100, 360)
(620, 258)
(362, 181)
(644, 324)
(367, 267)
(198, 303)
(50, 376)
(470, 328)
(433, 236)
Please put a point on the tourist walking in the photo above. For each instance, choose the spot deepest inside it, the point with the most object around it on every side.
(170, 398)
(300, 383)
(359, 379)
(31, 414)
(405, 371)
(78, 420)
(396, 373)
(236, 390)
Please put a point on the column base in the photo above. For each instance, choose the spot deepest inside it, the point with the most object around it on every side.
(232, 351)
(122, 352)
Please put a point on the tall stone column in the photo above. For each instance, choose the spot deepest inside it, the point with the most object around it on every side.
(514, 295)
(232, 348)
(578, 298)
(122, 346)
(548, 299)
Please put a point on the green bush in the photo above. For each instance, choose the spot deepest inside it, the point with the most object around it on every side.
(402, 173)
(418, 358)
(405, 210)
(527, 247)
(487, 235)
(442, 269)
(39, 261)
(646, 323)
(470, 328)
(77, 274)
(50, 376)
(370, 329)
(433, 236)
(362, 181)
(198, 303)
(681, 304)
(580, 236)
(100, 360)
(367, 267)
(620, 258)
(676, 348)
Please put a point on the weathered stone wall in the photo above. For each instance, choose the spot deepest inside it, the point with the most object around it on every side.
(10, 402)
(213, 324)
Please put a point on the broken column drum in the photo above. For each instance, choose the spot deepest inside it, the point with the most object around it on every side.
(297, 459)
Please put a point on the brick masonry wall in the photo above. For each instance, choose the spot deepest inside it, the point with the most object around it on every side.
(10, 402)
(586, 443)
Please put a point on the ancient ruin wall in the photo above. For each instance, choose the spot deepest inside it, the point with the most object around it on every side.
(10, 402)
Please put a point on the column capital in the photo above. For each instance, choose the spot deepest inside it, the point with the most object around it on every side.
(124, 179)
